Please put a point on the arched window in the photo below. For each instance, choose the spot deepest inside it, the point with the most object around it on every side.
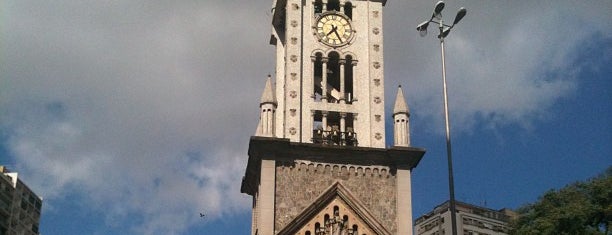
(317, 77)
(333, 77)
(348, 9)
(318, 6)
(333, 5)
(348, 79)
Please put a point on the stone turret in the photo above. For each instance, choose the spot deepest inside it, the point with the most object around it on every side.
(401, 120)
(268, 110)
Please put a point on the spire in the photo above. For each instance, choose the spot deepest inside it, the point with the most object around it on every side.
(401, 120)
(268, 94)
(400, 103)
(268, 111)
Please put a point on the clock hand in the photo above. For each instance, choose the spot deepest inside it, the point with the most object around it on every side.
(334, 28)
(338, 35)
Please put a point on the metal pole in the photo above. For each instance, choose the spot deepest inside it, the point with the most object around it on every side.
(451, 185)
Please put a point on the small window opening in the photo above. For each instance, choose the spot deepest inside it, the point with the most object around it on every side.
(318, 7)
(348, 80)
(348, 9)
(333, 78)
(318, 78)
(333, 5)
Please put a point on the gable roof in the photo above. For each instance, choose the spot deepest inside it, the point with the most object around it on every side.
(337, 190)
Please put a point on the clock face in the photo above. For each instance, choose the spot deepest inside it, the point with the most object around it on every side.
(334, 29)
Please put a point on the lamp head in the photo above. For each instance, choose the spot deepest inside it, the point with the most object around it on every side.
(438, 10)
(422, 28)
(460, 14)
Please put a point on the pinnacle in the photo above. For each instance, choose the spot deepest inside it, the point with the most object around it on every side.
(400, 103)
(268, 94)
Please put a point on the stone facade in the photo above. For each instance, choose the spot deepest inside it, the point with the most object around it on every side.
(299, 184)
(287, 181)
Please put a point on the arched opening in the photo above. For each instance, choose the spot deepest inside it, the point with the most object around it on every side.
(333, 78)
(318, 6)
(334, 128)
(318, 77)
(333, 5)
(348, 79)
(348, 9)
(317, 228)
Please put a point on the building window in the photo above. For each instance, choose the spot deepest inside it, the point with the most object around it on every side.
(35, 228)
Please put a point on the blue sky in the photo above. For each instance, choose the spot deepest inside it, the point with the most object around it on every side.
(132, 117)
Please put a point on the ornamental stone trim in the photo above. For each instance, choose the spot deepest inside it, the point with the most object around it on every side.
(378, 136)
(376, 65)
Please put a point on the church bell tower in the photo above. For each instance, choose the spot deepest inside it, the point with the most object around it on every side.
(318, 163)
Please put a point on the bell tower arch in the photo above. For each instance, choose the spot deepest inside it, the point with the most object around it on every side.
(329, 60)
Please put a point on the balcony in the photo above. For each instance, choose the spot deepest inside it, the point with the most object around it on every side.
(334, 137)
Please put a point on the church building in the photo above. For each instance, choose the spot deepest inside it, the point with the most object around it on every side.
(318, 162)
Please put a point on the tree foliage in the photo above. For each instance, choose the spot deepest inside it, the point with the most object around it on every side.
(582, 208)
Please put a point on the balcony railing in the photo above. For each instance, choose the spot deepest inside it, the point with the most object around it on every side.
(348, 138)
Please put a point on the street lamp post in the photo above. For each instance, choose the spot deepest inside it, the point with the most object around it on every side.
(444, 31)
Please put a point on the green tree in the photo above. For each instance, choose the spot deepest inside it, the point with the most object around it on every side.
(582, 208)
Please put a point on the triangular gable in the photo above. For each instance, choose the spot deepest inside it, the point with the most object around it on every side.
(336, 199)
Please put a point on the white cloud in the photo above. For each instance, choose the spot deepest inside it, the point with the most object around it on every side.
(507, 62)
